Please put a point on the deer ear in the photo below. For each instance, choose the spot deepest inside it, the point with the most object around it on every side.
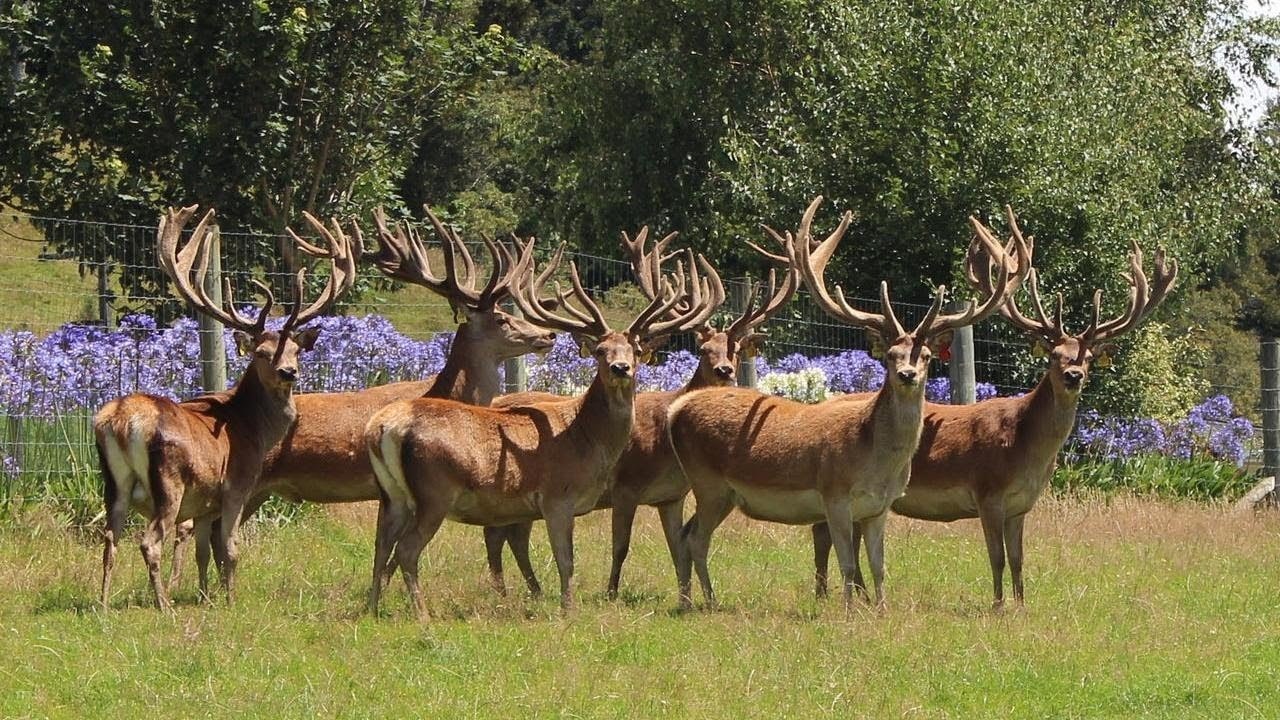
(751, 345)
(1038, 349)
(244, 343)
(705, 333)
(306, 339)
(586, 346)
(1102, 355)
(877, 344)
(940, 343)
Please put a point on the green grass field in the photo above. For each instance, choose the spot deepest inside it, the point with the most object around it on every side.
(1137, 608)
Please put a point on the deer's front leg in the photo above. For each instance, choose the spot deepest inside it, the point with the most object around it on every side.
(558, 515)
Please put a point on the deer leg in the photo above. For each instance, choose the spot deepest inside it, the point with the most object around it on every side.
(873, 531)
(518, 538)
(624, 516)
(559, 518)
(409, 548)
(1013, 546)
(184, 531)
(152, 545)
(840, 531)
(821, 557)
(672, 516)
(991, 515)
(392, 519)
(494, 536)
(859, 584)
(204, 545)
(232, 506)
(117, 503)
(712, 509)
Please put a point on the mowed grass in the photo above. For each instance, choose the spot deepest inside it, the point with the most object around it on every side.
(1137, 609)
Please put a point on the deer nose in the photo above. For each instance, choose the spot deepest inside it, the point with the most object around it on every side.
(288, 374)
(724, 371)
(1074, 376)
(621, 369)
(907, 375)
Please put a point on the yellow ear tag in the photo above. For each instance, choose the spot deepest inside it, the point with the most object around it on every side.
(1038, 350)
(583, 350)
(749, 352)
(648, 357)
(1103, 360)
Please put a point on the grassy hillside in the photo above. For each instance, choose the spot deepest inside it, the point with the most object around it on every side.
(1137, 609)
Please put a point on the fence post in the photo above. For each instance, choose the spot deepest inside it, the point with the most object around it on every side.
(106, 313)
(746, 365)
(213, 351)
(514, 370)
(964, 389)
(1269, 367)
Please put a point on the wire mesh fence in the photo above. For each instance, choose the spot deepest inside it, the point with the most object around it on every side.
(75, 333)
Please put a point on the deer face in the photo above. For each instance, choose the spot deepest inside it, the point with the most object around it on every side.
(716, 357)
(616, 356)
(506, 335)
(906, 361)
(1069, 362)
(276, 367)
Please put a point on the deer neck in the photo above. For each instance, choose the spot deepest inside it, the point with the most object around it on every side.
(606, 414)
(697, 382)
(470, 373)
(1049, 414)
(897, 418)
(267, 413)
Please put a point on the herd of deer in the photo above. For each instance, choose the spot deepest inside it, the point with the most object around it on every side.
(449, 447)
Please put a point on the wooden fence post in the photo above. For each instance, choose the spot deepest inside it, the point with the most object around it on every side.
(106, 312)
(746, 365)
(514, 370)
(964, 388)
(213, 350)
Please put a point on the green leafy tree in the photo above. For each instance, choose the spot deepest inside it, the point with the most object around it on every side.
(261, 109)
(1100, 123)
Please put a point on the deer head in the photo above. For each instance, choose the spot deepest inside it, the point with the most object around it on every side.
(717, 349)
(1071, 355)
(680, 304)
(403, 256)
(273, 354)
(905, 354)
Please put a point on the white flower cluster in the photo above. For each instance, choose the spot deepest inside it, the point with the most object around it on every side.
(806, 386)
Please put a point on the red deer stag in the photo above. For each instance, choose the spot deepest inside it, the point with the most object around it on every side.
(322, 458)
(646, 472)
(484, 466)
(991, 460)
(784, 461)
(174, 461)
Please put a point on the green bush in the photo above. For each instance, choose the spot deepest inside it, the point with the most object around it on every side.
(1196, 479)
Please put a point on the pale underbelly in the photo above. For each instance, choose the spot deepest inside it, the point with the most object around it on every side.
(490, 508)
(942, 505)
(792, 507)
(328, 490)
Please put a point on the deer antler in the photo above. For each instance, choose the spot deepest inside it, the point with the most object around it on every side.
(993, 298)
(178, 263)
(811, 259)
(646, 266)
(403, 256)
(526, 290)
(342, 274)
(1144, 297)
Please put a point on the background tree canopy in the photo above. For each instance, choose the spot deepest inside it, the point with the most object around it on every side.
(1101, 123)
